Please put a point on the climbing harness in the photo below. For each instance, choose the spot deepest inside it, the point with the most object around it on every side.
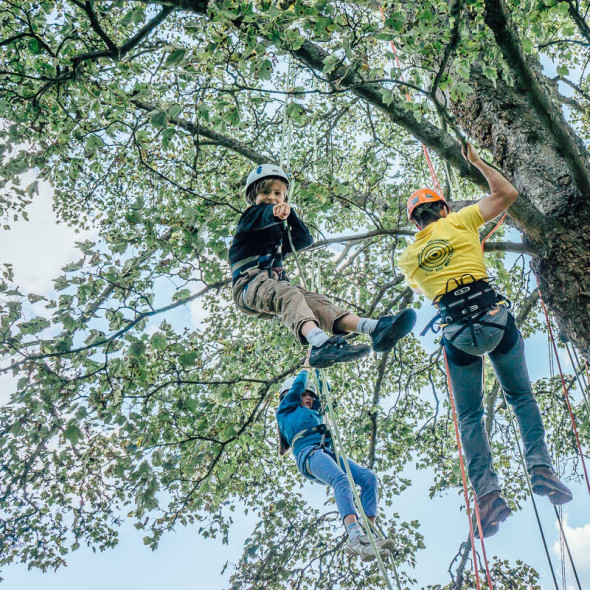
(466, 305)
(322, 429)
(269, 263)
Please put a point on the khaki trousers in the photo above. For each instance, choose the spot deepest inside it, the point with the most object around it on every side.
(263, 296)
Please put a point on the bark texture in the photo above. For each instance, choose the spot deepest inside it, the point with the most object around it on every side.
(552, 211)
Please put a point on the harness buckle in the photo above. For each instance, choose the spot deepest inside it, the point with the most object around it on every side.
(469, 310)
(461, 291)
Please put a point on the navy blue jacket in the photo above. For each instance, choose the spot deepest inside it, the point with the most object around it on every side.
(292, 418)
(259, 232)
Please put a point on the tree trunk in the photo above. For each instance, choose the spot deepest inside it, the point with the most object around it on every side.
(551, 211)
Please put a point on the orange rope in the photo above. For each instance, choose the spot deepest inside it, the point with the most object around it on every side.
(433, 176)
(565, 393)
(438, 188)
(464, 478)
(496, 227)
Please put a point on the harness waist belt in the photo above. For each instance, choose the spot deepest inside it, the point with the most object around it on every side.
(467, 301)
(238, 265)
(319, 429)
(262, 262)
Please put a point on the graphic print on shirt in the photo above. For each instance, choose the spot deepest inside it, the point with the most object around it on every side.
(435, 256)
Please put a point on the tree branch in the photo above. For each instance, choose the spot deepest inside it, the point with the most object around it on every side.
(454, 13)
(115, 52)
(575, 155)
(118, 333)
(583, 27)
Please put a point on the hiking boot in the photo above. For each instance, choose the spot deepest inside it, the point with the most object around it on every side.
(361, 546)
(336, 350)
(492, 511)
(545, 482)
(391, 328)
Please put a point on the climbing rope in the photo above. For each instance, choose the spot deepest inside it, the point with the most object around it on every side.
(565, 393)
(530, 487)
(437, 185)
(559, 520)
(465, 491)
(496, 227)
(433, 176)
(579, 373)
(324, 388)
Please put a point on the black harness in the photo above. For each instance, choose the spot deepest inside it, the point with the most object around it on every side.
(317, 429)
(466, 304)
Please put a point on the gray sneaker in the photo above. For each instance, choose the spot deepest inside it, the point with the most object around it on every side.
(362, 547)
(387, 544)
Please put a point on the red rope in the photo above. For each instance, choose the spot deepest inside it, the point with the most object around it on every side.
(438, 188)
(433, 176)
(565, 393)
(464, 478)
(483, 242)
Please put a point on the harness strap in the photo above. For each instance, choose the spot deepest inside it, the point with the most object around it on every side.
(466, 305)
(318, 429)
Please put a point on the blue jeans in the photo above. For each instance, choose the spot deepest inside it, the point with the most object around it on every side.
(323, 466)
(505, 348)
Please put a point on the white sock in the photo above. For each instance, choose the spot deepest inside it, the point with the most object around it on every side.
(366, 326)
(317, 337)
(354, 531)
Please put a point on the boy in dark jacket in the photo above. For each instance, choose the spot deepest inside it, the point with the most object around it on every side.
(300, 423)
(261, 288)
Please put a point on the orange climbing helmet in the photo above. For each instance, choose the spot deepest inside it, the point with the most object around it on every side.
(421, 197)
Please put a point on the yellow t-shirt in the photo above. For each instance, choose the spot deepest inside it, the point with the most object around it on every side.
(444, 250)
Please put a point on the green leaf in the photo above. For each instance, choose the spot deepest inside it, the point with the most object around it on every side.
(182, 294)
(159, 119)
(158, 341)
(176, 57)
(34, 326)
(73, 433)
(188, 359)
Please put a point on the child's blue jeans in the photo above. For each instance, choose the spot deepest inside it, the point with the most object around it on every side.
(466, 373)
(322, 465)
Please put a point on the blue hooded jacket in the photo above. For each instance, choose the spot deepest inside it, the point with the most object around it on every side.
(292, 418)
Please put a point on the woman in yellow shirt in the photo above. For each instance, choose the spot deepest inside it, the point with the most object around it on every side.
(446, 263)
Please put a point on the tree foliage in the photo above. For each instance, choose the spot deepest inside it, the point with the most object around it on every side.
(145, 117)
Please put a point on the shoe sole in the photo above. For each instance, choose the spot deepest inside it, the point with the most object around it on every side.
(404, 324)
(556, 496)
(493, 525)
(354, 355)
(365, 558)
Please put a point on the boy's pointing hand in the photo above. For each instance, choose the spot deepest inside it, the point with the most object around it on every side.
(281, 210)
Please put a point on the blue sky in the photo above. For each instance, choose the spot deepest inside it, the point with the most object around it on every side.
(186, 561)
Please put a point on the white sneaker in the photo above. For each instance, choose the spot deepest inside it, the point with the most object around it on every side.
(387, 544)
(362, 547)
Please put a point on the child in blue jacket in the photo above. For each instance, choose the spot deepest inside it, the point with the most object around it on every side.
(269, 230)
(301, 426)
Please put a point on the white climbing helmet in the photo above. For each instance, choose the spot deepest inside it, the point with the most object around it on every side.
(288, 383)
(265, 171)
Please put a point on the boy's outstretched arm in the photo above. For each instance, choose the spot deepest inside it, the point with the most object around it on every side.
(300, 235)
(293, 399)
(256, 218)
